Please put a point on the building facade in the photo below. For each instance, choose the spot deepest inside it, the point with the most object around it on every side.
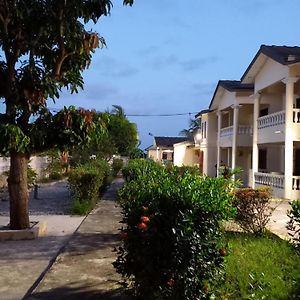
(254, 123)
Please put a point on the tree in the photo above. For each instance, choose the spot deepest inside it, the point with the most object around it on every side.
(118, 136)
(194, 125)
(123, 133)
(45, 46)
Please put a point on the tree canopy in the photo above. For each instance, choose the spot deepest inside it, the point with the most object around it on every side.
(45, 47)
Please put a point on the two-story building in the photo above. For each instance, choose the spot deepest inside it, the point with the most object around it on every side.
(254, 123)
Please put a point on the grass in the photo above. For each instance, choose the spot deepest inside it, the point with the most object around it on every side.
(260, 268)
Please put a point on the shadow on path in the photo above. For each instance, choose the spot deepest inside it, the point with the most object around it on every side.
(81, 293)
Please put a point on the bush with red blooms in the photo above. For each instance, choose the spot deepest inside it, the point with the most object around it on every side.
(172, 246)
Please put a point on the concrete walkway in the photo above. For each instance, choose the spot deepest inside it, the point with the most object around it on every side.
(84, 270)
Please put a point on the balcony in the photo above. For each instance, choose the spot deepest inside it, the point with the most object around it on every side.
(275, 181)
(271, 127)
(244, 136)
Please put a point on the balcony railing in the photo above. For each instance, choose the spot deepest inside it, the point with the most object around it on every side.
(296, 115)
(242, 130)
(227, 131)
(296, 183)
(277, 118)
(270, 120)
(268, 179)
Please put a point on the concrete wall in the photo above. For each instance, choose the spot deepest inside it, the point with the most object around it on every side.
(184, 155)
(38, 163)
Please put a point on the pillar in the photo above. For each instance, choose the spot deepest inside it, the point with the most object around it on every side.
(288, 141)
(256, 99)
(219, 114)
(234, 137)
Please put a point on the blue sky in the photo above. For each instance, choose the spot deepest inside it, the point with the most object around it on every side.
(166, 56)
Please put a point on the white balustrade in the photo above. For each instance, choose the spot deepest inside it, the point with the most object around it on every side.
(245, 130)
(296, 115)
(270, 120)
(296, 183)
(268, 179)
(227, 131)
(242, 130)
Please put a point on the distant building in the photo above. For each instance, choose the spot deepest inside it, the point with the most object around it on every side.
(162, 149)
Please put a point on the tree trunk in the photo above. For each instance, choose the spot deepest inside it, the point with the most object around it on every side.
(18, 191)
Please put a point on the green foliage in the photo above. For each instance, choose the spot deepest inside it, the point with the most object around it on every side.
(259, 267)
(137, 153)
(115, 134)
(31, 177)
(253, 209)
(117, 165)
(172, 247)
(86, 182)
(123, 133)
(13, 139)
(294, 222)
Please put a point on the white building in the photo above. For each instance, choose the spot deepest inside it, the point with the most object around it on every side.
(254, 123)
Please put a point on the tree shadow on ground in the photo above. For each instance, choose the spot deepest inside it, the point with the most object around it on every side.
(80, 293)
(82, 243)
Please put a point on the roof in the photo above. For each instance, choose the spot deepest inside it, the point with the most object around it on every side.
(167, 141)
(231, 86)
(203, 111)
(285, 55)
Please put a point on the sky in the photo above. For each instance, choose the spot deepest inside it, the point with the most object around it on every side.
(166, 57)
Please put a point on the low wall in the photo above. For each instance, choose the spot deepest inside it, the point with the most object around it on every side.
(37, 163)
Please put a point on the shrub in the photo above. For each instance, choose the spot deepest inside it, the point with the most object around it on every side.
(116, 166)
(253, 209)
(294, 222)
(172, 247)
(31, 177)
(86, 181)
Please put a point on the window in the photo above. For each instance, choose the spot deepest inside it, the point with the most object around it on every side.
(165, 155)
(263, 112)
(262, 159)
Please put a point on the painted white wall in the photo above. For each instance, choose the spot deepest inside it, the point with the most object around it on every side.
(185, 155)
(270, 73)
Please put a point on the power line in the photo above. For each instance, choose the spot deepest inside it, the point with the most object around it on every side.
(146, 115)
(161, 115)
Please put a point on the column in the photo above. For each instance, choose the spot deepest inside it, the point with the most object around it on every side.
(234, 137)
(219, 114)
(256, 98)
(288, 142)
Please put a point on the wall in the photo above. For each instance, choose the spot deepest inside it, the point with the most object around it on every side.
(185, 155)
(38, 163)
(270, 73)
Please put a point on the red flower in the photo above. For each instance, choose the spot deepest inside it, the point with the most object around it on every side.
(145, 219)
(124, 234)
(142, 226)
(170, 282)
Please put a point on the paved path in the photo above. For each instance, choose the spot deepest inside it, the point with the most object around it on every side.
(279, 218)
(84, 270)
(23, 262)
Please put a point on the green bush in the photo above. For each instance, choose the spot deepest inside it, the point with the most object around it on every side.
(116, 166)
(172, 247)
(86, 182)
(253, 209)
(294, 222)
